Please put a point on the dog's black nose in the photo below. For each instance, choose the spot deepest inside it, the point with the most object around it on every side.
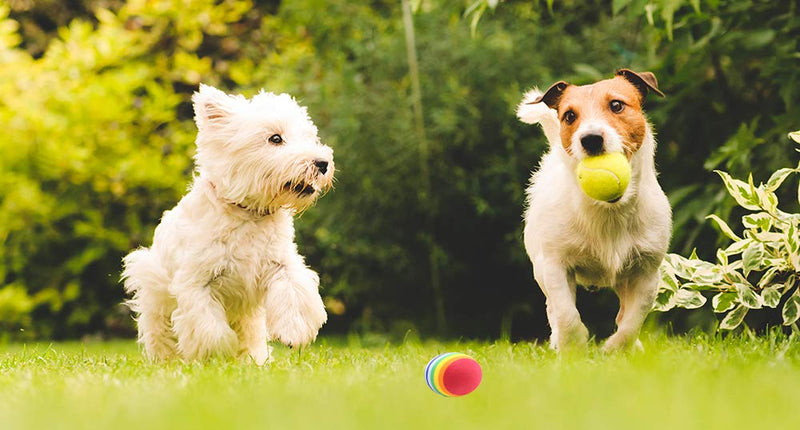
(592, 143)
(322, 166)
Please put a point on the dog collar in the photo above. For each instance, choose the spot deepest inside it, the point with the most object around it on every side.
(252, 211)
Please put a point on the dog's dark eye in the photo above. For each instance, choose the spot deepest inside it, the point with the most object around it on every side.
(569, 117)
(275, 139)
(616, 106)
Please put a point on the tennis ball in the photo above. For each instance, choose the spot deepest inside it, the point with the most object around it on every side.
(604, 177)
(453, 374)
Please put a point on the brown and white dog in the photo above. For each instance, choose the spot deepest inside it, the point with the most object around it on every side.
(573, 239)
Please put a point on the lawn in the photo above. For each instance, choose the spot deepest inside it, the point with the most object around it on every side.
(678, 383)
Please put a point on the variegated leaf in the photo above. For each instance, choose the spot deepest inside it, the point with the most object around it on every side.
(740, 191)
(767, 200)
(753, 257)
(722, 257)
(738, 247)
(680, 266)
(689, 299)
(793, 246)
(771, 296)
(724, 301)
(700, 286)
(707, 274)
(723, 226)
(795, 135)
(748, 297)
(778, 177)
(734, 318)
(665, 300)
(668, 281)
(766, 278)
(758, 220)
(766, 236)
(791, 309)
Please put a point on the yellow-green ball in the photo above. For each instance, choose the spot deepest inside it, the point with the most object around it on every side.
(604, 177)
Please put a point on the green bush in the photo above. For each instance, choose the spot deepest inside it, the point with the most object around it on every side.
(97, 133)
(759, 269)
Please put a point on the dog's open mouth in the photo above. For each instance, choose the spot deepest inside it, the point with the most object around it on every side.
(302, 188)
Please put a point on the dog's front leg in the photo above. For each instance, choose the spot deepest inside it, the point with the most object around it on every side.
(559, 289)
(294, 307)
(199, 320)
(253, 337)
(636, 296)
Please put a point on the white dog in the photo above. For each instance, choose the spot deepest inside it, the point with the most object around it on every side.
(571, 238)
(223, 275)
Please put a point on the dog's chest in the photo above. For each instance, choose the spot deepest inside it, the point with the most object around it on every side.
(250, 250)
(604, 248)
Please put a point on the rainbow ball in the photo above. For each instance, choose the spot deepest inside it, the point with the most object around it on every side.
(453, 374)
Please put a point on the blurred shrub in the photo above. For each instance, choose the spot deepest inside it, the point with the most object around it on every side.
(96, 138)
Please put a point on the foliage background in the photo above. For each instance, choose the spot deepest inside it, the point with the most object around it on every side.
(96, 140)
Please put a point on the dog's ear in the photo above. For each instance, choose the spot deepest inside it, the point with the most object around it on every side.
(212, 107)
(643, 81)
(552, 96)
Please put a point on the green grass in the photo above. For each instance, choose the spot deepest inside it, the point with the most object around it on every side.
(678, 383)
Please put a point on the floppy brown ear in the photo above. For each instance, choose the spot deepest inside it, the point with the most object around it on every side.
(643, 81)
(552, 96)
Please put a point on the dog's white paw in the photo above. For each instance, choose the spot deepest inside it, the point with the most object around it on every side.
(575, 336)
(298, 326)
(260, 356)
(620, 341)
(205, 341)
(295, 311)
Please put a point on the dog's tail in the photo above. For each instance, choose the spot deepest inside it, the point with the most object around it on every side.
(143, 271)
(531, 112)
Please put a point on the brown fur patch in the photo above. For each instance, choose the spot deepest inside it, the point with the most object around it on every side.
(593, 102)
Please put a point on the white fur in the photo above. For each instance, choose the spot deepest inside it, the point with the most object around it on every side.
(572, 239)
(223, 275)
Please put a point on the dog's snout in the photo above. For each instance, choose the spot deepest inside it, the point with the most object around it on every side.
(592, 143)
(322, 166)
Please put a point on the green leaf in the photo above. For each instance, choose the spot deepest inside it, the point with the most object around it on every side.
(724, 301)
(664, 300)
(767, 277)
(759, 220)
(778, 177)
(678, 265)
(793, 246)
(689, 299)
(766, 199)
(771, 296)
(668, 281)
(748, 297)
(722, 257)
(618, 5)
(724, 227)
(700, 286)
(791, 309)
(734, 318)
(753, 257)
(738, 247)
(740, 191)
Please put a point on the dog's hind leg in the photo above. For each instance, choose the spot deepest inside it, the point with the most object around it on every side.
(559, 288)
(636, 298)
(199, 320)
(146, 279)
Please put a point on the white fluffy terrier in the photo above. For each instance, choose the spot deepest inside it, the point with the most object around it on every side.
(223, 276)
(573, 239)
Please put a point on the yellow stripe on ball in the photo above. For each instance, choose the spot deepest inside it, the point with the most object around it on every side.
(604, 177)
